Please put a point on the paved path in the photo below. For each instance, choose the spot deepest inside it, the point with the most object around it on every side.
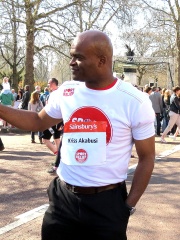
(157, 216)
(24, 181)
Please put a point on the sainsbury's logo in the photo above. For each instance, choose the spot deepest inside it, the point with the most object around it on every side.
(83, 126)
(68, 92)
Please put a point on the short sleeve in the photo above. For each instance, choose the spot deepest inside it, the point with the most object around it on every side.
(53, 107)
(143, 121)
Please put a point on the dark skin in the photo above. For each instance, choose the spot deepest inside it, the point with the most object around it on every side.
(84, 54)
(91, 62)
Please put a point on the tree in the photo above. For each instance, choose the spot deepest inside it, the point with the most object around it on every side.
(11, 53)
(53, 24)
(61, 28)
(151, 47)
(34, 15)
(41, 72)
(168, 14)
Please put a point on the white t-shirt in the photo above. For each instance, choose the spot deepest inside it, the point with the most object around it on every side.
(90, 155)
(6, 86)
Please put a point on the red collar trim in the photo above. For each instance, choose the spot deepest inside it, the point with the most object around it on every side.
(108, 87)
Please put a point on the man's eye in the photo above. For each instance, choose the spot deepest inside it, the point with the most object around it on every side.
(76, 58)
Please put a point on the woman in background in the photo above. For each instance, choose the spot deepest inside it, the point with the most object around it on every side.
(19, 95)
(35, 105)
(6, 84)
(174, 113)
(166, 106)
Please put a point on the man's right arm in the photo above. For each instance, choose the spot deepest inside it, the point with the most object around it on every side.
(27, 120)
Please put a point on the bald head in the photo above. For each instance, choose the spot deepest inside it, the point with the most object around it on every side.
(98, 41)
(92, 56)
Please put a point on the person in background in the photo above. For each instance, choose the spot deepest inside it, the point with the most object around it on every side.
(35, 105)
(103, 118)
(122, 77)
(147, 90)
(1, 88)
(25, 98)
(7, 99)
(55, 165)
(166, 105)
(14, 94)
(38, 89)
(173, 136)
(55, 130)
(1, 145)
(163, 91)
(6, 84)
(18, 102)
(159, 89)
(44, 96)
(19, 95)
(174, 113)
(157, 105)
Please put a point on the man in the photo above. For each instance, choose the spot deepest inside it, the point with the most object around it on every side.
(88, 199)
(25, 98)
(157, 105)
(54, 130)
(38, 89)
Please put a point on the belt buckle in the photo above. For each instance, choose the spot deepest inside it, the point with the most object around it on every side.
(73, 189)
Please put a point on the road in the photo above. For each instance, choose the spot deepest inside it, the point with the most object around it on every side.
(24, 181)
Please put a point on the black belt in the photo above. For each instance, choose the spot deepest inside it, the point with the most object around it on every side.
(89, 190)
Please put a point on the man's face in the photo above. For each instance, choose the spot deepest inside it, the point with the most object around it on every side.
(178, 93)
(84, 62)
(51, 85)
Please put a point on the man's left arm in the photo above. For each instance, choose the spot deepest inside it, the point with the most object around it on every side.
(146, 153)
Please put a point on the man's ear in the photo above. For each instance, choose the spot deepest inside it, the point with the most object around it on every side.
(102, 60)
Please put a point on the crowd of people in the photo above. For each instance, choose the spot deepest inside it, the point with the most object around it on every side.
(166, 105)
(34, 101)
(165, 102)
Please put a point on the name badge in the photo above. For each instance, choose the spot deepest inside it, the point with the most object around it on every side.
(84, 143)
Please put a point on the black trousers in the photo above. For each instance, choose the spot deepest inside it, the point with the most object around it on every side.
(102, 216)
(1, 143)
(58, 156)
(158, 127)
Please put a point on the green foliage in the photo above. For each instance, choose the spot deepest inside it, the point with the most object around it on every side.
(42, 84)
